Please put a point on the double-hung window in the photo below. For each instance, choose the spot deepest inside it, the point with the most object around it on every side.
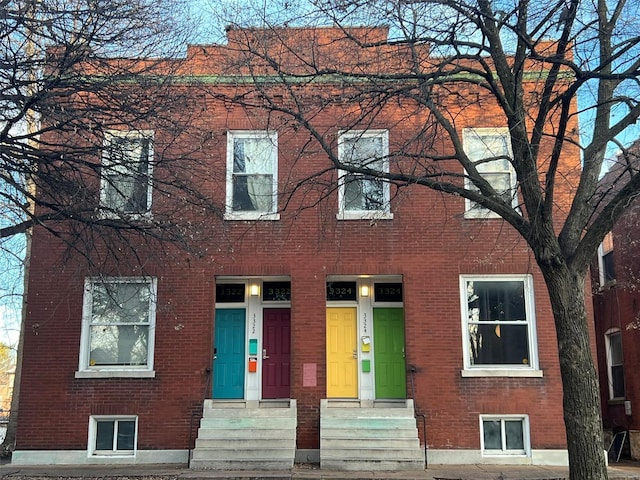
(118, 327)
(126, 178)
(615, 363)
(504, 435)
(252, 173)
(606, 264)
(363, 194)
(498, 326)
(490, 150)
(110, 436)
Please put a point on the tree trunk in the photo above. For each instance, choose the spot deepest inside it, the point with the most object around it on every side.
(581, 399)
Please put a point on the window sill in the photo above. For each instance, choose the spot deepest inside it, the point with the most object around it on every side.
(116, 374)
(373, 215)
(235, 216)
(502, 372)
(616, 401)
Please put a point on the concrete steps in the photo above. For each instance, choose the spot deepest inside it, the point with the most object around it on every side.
(239, 435)
(369, 436)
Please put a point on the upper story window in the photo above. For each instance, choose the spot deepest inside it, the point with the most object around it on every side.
(498, 326)
(252, 173)
(481, 144)
(362, 195)
(606, 265)
(118, 327)
(126, 177)
(615, 363)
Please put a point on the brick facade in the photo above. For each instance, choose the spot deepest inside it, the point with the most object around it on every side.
(426, 246)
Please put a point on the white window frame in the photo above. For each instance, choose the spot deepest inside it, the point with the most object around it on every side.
(383, 214)
(605, 248)
(526, 433)
(529, 370)
(93, 432)
(110, 211)
(607, 345)
(230, 214)
(85, 369)
(472, 209)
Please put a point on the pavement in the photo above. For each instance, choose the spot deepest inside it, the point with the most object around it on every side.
(624, 470)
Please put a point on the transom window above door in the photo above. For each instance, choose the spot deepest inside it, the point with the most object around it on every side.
(252, 172)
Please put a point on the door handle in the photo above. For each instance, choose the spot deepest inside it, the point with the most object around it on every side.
(264, 354)
(355, 353)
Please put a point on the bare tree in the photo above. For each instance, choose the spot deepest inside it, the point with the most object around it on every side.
(84, 84)
(539, 66)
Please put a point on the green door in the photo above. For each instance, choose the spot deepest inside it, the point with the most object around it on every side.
(388, 353)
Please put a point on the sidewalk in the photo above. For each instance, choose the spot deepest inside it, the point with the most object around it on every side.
(621, 471)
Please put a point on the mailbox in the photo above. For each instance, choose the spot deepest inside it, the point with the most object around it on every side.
(253, 365)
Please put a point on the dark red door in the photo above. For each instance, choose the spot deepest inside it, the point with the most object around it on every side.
(276, 358)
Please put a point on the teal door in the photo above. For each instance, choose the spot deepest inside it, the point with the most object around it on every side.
(229, 355)
(388, 355)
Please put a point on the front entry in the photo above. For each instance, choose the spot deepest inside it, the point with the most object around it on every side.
(229, 354)
(276, 356)
(342, 372)
(389, 358)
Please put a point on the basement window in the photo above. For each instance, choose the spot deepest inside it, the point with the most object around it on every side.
(113, 435)
(504, 435)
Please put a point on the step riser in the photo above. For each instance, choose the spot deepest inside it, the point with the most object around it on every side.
(242, 443)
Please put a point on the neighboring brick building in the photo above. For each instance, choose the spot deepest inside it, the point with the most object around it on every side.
(616, 280)
(373, 297)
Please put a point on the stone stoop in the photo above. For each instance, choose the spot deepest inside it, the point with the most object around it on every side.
(246, 435)
(359, 435)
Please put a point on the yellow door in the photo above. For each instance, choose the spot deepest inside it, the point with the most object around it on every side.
(342, 362)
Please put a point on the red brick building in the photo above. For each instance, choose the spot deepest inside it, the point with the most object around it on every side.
(615, 276)
(333, 322)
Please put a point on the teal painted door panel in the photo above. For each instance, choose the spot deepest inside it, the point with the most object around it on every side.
(229, 358)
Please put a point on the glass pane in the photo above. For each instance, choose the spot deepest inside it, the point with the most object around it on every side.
(492, 435)
(514, 432)
(496, 301)
(609, 267)
(615, 345)
(363, 151)
(126, 434)
(126, 175)
(498, 344)
(481, 146)
(121, 303)
(253, 155)
(104, 435)
(363, 194)
(617, 380)
(118, 345)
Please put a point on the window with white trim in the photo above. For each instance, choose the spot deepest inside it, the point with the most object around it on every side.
(118, 326)
(498, 323)
(110, 435)
(252, 173)
(126, 176)
(615, 363)
(480, 145)
(363, 195)
(606, 264)
(504, 435)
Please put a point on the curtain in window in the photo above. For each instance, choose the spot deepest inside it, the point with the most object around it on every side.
(126, 175)
(253, 157)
